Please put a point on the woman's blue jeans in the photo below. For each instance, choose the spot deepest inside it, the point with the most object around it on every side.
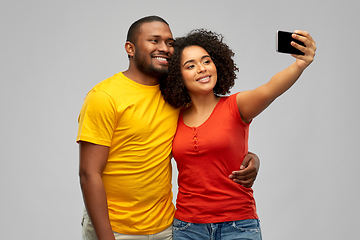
(248, 229)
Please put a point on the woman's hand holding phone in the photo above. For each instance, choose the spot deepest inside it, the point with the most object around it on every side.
(303, 61)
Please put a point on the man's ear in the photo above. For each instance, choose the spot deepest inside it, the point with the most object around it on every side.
(130, 48)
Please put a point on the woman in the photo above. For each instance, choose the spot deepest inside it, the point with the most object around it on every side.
(213, 130)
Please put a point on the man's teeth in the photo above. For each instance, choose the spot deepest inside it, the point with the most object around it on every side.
(161, 59)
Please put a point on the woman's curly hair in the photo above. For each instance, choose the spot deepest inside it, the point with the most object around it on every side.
(173, 88)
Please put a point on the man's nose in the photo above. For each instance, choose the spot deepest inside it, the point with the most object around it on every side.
(163, 47)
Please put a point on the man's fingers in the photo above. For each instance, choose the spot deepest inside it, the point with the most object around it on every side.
(244, 183)
(241, 176)
(245, 162)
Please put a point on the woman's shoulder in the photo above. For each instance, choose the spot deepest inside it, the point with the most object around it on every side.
(231, 97)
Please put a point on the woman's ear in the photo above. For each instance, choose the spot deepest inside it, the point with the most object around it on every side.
(130, 49)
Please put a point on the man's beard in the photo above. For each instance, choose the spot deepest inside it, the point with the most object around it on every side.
(149, 69)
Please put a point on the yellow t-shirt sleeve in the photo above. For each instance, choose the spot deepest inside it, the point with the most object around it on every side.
(97, 119)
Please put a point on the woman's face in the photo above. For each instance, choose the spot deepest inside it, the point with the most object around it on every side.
(198, 70)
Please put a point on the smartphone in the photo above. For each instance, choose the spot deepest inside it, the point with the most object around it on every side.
(283, 43)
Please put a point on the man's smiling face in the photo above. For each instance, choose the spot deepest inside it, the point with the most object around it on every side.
(153, 48)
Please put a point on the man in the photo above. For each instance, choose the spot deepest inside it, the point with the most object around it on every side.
(125, 136)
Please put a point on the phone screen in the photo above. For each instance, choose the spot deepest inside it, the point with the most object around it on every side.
(284, 40)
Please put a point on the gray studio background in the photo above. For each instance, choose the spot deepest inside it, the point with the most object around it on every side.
(54, 52)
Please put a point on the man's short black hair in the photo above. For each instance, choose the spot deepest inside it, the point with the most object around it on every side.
(135, 27)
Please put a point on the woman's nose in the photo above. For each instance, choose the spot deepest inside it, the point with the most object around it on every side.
(201, 68)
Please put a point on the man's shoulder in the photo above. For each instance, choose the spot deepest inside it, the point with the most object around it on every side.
(113, 85)
(109, 82)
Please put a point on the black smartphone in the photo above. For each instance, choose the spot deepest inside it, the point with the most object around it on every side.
(283, 43)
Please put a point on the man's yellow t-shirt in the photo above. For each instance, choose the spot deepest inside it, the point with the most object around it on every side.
(138, 126)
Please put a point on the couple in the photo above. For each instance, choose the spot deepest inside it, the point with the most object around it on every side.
(126, 135)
